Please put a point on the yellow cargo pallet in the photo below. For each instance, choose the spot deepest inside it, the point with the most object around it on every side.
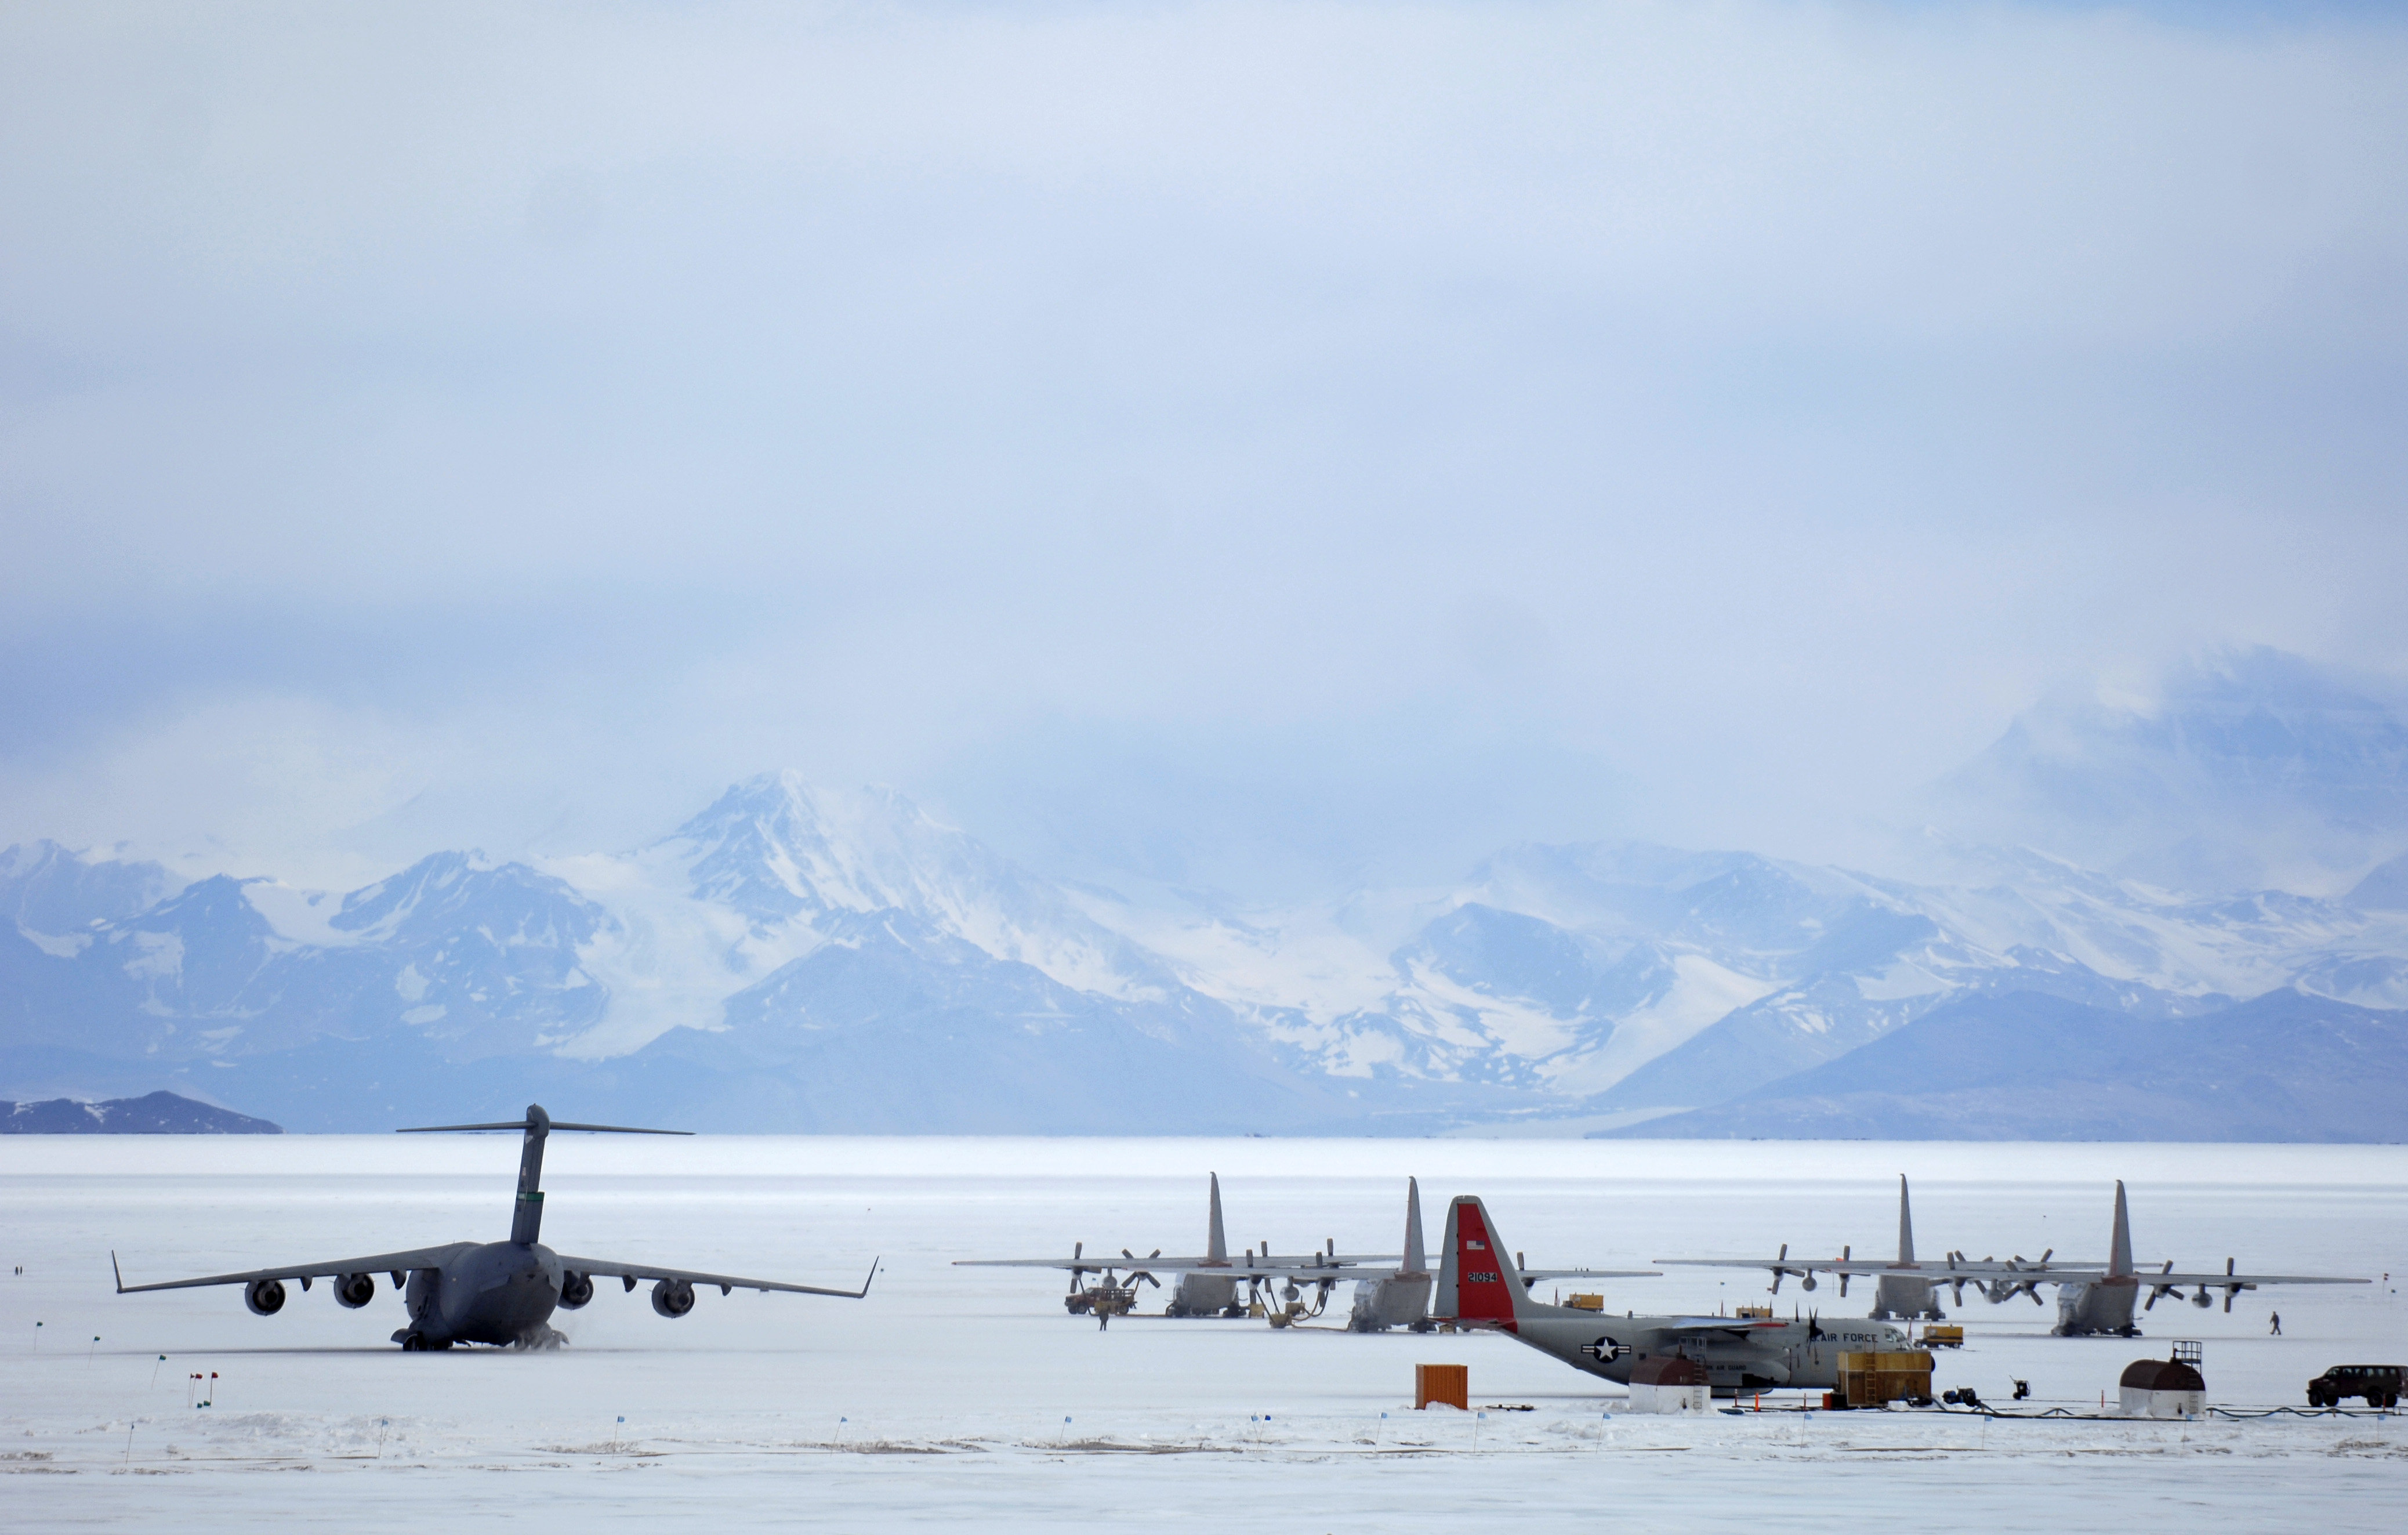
(1870, 1379)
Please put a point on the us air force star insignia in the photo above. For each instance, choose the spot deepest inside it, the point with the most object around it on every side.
(1605, 1350)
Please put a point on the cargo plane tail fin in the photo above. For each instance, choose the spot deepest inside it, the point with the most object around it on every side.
(1905, 1225)
(1216, 1239)
(2119, 1253)
(1475, 1284)
(1416, 1260)
(526, 1214)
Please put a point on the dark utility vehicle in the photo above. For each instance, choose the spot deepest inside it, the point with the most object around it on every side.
(2378, 1384)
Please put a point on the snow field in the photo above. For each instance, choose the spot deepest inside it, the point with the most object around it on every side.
(943, 1398)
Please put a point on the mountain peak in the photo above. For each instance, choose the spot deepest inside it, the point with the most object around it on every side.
(53, 889)
(777, 847)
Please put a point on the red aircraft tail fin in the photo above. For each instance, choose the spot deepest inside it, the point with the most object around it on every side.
(1475, 1282)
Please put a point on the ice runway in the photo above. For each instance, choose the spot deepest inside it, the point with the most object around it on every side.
(968, 1397)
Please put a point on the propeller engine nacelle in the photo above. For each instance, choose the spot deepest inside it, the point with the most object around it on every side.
(672, 1298)
(575, 1289)
(355, 1290)
(265, 1296)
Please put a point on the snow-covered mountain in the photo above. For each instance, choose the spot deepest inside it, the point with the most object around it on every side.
(797, 958)
(794, 957)
(2025, 1067)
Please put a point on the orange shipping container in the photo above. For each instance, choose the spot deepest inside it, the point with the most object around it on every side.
(1447, 1385)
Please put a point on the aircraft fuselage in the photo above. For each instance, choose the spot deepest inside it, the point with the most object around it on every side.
(1392, 1300)
(496, 1292)
(1202, 1294)
(1741, 1355)
(2098, 1306)
(1905, 1296)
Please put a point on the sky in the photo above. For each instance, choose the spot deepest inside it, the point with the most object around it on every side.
(1245, 443)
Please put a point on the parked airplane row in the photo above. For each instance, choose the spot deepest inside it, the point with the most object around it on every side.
(1391, 1289)
(504, 1293)
(2093, 1297)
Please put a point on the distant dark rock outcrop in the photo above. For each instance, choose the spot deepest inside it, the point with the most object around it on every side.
(155, 1113)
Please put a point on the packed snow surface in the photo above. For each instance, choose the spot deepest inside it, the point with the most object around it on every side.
(968, 1397)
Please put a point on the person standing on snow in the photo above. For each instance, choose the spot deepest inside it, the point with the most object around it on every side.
(2276, 1318)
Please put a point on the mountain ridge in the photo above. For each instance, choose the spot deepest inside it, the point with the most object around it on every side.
(795, 956)
(2285, 1067)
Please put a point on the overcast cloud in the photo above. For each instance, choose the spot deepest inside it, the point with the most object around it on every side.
(1191, 436)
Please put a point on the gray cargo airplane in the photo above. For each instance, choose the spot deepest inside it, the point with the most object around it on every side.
(1477, 1289)
(1391, 1289)
(1907, 1288)
(2096, 1304)
(499, 1292)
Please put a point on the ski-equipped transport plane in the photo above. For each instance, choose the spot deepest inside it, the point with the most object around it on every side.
(1479, 1287)
(497, 1292)
(1906, 1287)
(2092, 1298)
(2090, 1305)
(1391, 1289)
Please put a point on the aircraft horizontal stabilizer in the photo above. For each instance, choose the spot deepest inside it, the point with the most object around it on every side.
(529, 1125)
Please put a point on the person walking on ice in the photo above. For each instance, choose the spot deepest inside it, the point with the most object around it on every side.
(2275, 1317)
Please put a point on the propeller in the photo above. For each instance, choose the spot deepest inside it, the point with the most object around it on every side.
(1843, 1274)
(2231, 1292)
(1780, 1272)
(2008, 1289)
(1135, 1273)
(2157, 1291)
